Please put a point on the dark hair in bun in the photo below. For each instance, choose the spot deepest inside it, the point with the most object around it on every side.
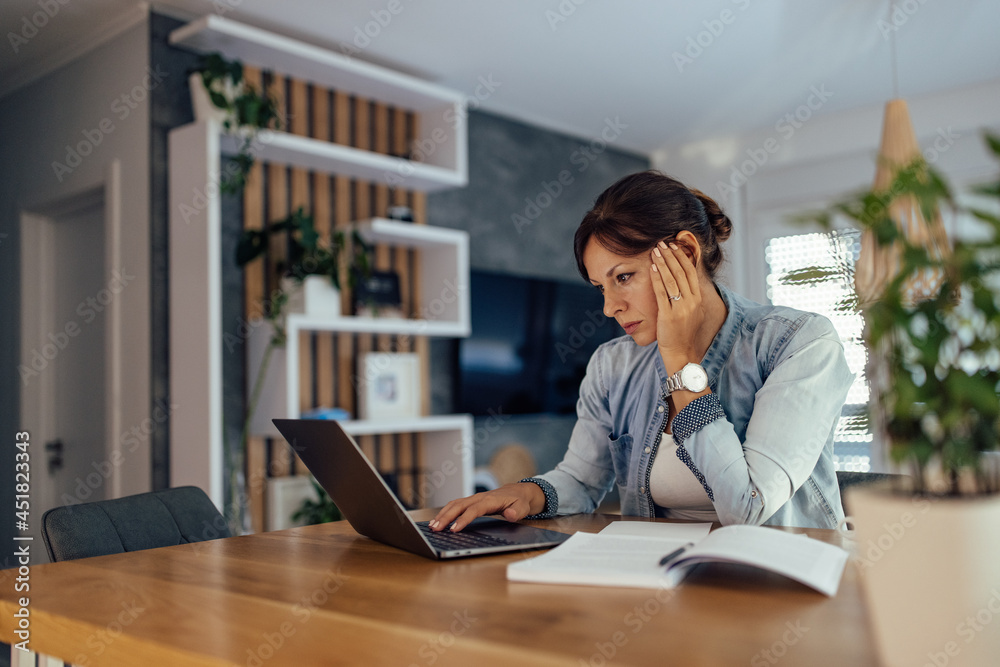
(640, 210)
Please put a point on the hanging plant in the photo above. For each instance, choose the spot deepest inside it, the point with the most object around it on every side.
(247, 112)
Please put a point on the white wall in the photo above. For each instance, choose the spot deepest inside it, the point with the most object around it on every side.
(806, 163)
(37, 122)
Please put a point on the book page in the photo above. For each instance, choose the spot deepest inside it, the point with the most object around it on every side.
(811, 562)
(601, 560)
(685, 532)
(634, 561)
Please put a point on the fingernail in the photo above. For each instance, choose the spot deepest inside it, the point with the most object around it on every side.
(452, 526)
(655, 270)
(656, 251)
(673, 247)
(433, 524)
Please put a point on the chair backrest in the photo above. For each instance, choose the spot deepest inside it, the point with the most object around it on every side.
(143, 521)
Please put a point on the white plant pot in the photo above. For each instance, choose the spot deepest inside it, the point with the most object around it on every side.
(930, 569)
(313, 296)
(202, 103)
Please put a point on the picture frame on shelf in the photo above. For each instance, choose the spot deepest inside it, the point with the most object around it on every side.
(378, 295)
(389, 386)
(400, 213)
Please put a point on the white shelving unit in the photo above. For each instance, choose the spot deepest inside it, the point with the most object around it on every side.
(442, 142)
(293, 150)
(447, 457)
(195, 150)
(444, 268)
(447, 461)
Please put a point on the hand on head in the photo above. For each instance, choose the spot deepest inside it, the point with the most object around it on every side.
(511, 501)
(681, 310)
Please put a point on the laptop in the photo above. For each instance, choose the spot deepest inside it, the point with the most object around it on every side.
(372, 509)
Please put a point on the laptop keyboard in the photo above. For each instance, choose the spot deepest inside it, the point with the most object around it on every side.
(449, 541)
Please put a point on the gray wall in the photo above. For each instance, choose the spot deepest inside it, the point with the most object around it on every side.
(170, 107)
(37, 122)
(548, 180)
(528, 190)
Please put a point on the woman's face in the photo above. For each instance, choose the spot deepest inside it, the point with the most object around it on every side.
(628, 293)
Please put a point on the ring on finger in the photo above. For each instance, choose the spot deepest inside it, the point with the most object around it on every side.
(676, 298)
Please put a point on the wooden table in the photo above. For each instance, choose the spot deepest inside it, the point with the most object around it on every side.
(323, 595)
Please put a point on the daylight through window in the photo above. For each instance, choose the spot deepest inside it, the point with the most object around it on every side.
(815, 272)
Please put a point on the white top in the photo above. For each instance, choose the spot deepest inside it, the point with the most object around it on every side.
(675, 488)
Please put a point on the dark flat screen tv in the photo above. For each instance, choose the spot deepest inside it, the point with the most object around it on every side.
(530, 344)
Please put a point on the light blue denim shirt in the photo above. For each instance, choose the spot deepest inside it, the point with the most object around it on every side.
(761, 443)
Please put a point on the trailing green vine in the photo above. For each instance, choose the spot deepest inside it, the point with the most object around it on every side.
(308, 254)
(247, 111)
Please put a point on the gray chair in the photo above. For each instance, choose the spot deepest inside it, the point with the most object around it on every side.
(143, 521)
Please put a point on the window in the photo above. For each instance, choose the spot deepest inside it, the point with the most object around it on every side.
(815, 272)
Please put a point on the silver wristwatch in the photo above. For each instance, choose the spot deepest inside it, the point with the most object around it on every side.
(690, 378)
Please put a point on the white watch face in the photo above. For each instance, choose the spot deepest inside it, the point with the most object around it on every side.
(694, 377)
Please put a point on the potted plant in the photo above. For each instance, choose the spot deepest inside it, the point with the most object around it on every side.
(219, 92)
(319, 510)
(929, 549)
(311, 274)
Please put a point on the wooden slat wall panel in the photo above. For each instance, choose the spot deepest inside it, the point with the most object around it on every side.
(323, 215)
(329, 361)
(255, 293)
(254, 282)
(298, 120)
(298, 107)
(406, 444)
(343, 198)
(418, 203)
(363, 209)
(279, 458)
(386, 460)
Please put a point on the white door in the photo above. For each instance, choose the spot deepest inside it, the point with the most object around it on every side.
(66, 294)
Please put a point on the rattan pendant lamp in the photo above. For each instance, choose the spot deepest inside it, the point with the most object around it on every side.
(876, 265)
(898, 148)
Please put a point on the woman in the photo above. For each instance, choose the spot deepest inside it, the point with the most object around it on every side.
(712, 407)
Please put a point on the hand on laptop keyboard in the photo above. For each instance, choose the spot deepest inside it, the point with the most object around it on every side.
(449, 541)
(512, 501)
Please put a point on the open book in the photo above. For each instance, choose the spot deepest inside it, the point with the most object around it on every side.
(634, 561)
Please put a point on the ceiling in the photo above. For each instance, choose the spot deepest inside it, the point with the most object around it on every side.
(570, 66)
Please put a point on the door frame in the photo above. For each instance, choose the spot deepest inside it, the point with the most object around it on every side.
(37, 289)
